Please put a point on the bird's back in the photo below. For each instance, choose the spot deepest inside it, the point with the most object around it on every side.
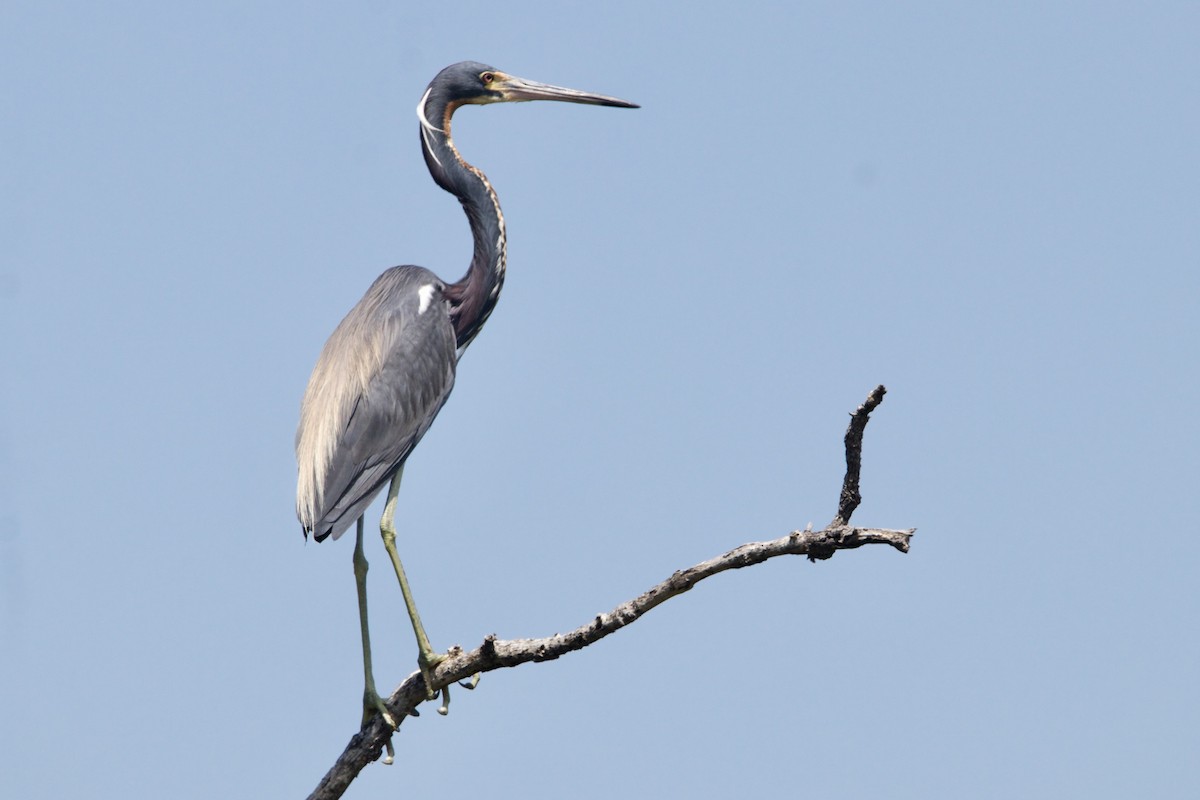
(379, 382)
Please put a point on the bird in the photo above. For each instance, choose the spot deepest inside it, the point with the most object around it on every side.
(389, 366)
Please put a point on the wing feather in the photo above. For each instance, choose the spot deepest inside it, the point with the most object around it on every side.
(380, 381)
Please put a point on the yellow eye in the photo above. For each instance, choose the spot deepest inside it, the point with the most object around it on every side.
(487, 77)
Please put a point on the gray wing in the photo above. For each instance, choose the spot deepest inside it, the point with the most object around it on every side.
(381, 379)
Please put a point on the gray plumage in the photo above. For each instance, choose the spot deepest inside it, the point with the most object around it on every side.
(388, 368)
(380, 381)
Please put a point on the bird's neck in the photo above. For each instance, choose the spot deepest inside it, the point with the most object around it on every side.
(472, 298)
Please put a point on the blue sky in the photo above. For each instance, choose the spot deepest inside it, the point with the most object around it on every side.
(995, 211)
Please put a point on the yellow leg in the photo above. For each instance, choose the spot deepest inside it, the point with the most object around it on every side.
(427, 659)
(371, 700)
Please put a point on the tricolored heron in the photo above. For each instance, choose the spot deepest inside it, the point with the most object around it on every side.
(389, 366)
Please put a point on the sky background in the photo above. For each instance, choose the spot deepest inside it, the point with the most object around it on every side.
(993, 211)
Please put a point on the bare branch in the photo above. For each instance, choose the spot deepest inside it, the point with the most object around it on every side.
(365, 746)
(851, 497)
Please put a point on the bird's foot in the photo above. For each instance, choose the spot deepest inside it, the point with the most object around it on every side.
(373, 704)
(472, 683)
(427, 662)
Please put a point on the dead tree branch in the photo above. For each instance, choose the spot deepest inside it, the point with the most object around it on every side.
(367, 745)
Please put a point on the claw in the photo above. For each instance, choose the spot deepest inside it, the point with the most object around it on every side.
(373, 704)
(471, 684)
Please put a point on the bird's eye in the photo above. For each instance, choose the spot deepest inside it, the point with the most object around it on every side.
(487, 77)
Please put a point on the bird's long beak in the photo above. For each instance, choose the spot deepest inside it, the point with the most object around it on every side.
(516, 89)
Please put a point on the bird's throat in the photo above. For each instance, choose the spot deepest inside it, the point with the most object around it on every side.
(472, 298)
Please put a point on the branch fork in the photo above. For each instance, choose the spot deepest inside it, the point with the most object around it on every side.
(459, 665)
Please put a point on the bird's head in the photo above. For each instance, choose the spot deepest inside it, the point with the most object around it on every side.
(472, 82)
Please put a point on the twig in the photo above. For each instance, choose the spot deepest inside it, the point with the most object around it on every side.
(365, 746)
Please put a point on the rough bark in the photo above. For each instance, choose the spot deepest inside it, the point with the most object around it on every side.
(369, 743)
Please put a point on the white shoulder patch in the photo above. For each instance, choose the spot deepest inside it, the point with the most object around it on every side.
(426, 295)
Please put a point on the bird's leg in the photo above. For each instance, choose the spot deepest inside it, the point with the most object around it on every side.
(426, 658)
(371, 700)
